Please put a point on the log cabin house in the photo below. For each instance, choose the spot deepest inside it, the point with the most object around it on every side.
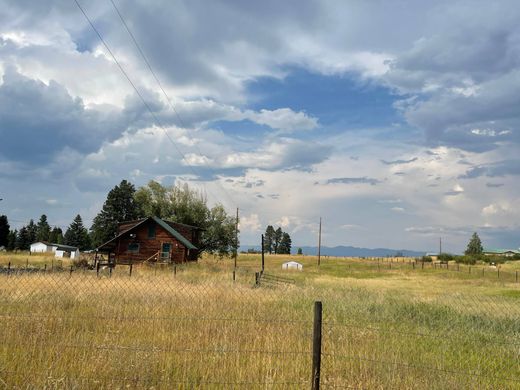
(151, 239)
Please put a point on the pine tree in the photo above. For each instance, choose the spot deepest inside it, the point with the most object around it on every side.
(77, 235)
(31, 232)
(56, 236)
(119, 206)
(474, 246)
(4, 230)
(11, 240)
(278, 234)
(22, 239)
(269, 239)
(43, 229)
(285, 244)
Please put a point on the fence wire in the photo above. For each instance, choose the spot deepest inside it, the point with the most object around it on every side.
(166, 328)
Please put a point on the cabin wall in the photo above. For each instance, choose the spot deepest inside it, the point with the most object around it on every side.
(148, 247)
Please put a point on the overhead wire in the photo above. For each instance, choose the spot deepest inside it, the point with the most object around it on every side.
(147, 106)
(145, 59)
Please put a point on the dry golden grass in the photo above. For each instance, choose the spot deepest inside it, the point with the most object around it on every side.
(398, 328)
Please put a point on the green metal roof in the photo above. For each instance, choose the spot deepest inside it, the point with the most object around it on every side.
(174, 233)
(161, 223)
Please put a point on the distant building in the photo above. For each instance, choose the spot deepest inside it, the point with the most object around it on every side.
(152, 239)
(433, 256)
(59, 250)
(501, 252)
(292, 265)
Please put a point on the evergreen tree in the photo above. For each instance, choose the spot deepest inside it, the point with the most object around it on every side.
(285, 244)
(77, 235)
(474, 246)
(278, 234)
(56, 236)
(22, 239)
(31, 232)
(4, 230)
(11, 240)
(300, 251)
(43, 229)
(118, 207)
(269, 239)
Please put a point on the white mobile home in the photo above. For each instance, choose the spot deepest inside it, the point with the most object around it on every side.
(292, 265)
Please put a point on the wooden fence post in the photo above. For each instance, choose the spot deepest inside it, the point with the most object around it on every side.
(131, 266)
(316, 346)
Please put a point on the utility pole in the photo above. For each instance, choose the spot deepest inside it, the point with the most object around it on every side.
(236, 241)
(262, 253)
(319, 245)
(440, 245)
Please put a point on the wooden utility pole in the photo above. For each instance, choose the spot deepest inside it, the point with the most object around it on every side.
(236, 240)
(319, 245)
(262, 253)
(440, 245)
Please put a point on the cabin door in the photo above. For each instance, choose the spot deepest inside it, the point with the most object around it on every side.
(166, 250)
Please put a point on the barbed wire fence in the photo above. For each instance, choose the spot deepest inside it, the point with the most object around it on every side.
(188, 327)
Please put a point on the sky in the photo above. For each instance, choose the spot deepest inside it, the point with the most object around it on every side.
(396, 122)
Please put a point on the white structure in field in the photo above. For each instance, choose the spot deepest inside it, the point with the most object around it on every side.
(292, 265)
(59, 250)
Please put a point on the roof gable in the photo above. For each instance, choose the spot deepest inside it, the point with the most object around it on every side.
(174, 233)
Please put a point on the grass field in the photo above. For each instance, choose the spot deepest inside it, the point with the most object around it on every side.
(385, 326)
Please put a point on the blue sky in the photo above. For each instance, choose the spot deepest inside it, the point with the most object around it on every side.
(398, 125)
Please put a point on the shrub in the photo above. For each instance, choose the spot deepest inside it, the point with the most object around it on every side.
(426, 259)
(466, 259)
(445, 257)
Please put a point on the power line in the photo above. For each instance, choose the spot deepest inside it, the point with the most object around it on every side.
(158, 122)
(145, 59)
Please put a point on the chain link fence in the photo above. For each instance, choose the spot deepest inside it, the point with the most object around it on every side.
(195, 327)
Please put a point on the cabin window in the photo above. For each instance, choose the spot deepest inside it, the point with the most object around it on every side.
(151, 231)
(133, 247)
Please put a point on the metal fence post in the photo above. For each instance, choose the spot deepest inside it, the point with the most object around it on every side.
(316, 346)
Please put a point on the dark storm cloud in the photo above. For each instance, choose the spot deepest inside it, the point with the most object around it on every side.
(498, 169)
(398, 162)
(353, 180)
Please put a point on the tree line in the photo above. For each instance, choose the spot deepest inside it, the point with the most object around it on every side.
(21, 239)
(277, 241)
(125, 203)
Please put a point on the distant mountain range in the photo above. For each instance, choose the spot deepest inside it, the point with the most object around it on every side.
(346, 251)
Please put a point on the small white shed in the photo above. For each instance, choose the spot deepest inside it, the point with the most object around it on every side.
(42, 247)
(292, 265)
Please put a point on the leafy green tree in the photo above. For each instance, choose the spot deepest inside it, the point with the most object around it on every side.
(300, 251)
(269, 239)
(77, 235)
(184, 205)
(11, 240)
(119, 206)
(474, 246)
(219, 236)
(4, 230)
(285, 244)
(43, 229)
(22, 239)
(32, 231)
(278, 234)
(56, 236)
